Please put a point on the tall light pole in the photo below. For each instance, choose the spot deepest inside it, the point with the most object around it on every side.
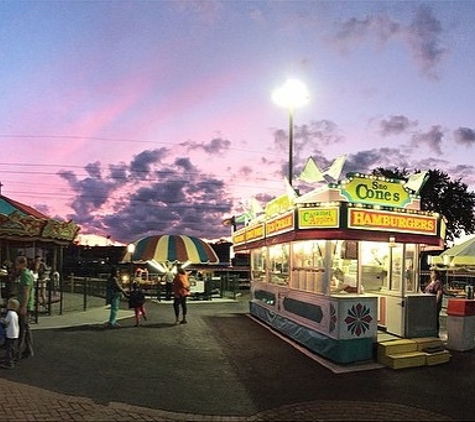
(291, 95)
(131, 250)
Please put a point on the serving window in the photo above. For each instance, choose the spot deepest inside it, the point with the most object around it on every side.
(258, 264)
(279, 264)
(388, 267)
(308, 266)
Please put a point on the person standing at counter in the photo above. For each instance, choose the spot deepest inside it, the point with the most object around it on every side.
(342, 282)
(436, 287)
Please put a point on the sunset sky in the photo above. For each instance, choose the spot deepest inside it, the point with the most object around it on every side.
(150, 117)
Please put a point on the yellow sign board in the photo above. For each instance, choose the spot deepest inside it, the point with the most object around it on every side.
(278, 205)
(315, 218)
(255, 233)
(365, 190)
(281, 224)
(239, 237)
(383, 220)
(248, 234)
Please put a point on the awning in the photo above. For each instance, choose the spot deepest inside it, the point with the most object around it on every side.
(459, 257)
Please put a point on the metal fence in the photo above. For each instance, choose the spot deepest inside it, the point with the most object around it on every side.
(73, 293)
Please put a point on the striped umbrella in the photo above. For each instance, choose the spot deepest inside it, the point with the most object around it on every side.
(163, 248)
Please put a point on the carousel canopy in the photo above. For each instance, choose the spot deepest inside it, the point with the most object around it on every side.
(22, 222)
(9, 206)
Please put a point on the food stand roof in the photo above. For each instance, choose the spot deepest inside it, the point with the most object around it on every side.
(360, 207)
(20, 222)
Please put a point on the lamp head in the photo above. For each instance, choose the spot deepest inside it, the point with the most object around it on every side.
(291, 95)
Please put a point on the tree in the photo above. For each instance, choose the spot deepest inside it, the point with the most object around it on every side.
(451, 198)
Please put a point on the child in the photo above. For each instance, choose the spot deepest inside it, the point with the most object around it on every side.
(137, 302)
(12, 333)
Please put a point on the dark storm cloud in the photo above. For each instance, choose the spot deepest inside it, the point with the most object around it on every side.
(94, 169)
(185, 164)
(463, 172)
(118, 172)
(395, 125)
(366, 161)
(355, 30)
(309, 139)
(245, 171)
(317, 133)
(141, 165)
(91, 193)
(173, 207)
(433, 138)
(464, 136)
(281, 139)
(422, 37)
(215, 147)
(160, 198)
(424, 40)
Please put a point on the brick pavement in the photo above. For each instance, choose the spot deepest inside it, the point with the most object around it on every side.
(24, 403)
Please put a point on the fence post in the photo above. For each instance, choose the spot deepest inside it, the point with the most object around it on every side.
(49, 284)
(36, 310)
(86, 283)
(61, 292)
(235, 285)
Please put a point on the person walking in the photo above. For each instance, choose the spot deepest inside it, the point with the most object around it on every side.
(181, 290)
(168, 279)
(41, 273)
(26, 298)
(436, 287)
(113, 295)
(137, 303)
(12, 333)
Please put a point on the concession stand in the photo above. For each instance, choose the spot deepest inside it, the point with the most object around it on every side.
(332, 266)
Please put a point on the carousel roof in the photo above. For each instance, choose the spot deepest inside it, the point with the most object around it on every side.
(24, 223)
(9, 206)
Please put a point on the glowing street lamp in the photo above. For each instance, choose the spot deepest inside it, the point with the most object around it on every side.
(131, 250)
(293, 94)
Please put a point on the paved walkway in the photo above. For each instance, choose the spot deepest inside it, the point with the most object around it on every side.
(222, 366)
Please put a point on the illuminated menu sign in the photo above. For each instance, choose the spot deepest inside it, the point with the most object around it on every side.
(278, 205)
(248, 234)
(255, 233)
(239, 237)
(318, 218)
(366, 190)
(382, 221)
(280, 224)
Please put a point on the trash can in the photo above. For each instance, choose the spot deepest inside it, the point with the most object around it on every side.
(461, 324)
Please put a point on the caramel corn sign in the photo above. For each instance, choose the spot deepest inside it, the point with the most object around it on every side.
(279, 225)
(381, 220)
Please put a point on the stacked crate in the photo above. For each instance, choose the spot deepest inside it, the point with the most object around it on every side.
(409, 353)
